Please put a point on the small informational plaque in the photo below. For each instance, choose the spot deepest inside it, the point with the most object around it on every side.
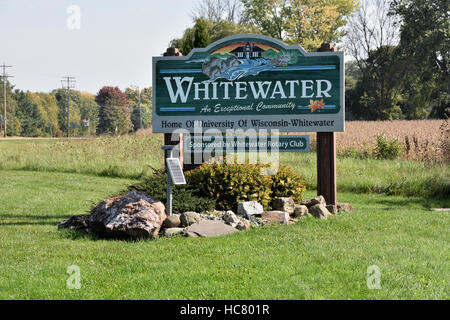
(175, 171)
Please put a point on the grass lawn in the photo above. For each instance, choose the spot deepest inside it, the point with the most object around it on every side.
(311, 260)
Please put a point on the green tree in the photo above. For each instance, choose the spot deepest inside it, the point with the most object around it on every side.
(377, 92)
(61, 96)
(14, 126)
(49, 109)
(132, 95)
(269, 16)
(114, 112)
(186, 44)
(196, 37)
(306, 22)
(89, 110)
(201, 35)
(372, 41)
(425, 43)
(216, 31)
(29, 115)
(352, 76)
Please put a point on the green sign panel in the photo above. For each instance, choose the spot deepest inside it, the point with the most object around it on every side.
(259, 143)
(249, 82)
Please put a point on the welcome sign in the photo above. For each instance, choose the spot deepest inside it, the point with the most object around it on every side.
(249, 82)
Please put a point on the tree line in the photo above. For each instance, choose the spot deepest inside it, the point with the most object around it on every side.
(110, 111)
(399, 49)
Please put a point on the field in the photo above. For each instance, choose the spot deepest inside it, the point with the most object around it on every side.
(424, 140)
(392, 227)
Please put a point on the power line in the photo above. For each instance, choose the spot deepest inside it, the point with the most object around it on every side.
(5, 77)
(68, 83)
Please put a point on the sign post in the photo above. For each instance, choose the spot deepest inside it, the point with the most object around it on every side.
(175, 175)
(173, 52)
(253, 83)
(326, 158)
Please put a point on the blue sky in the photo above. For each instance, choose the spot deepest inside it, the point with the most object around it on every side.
(113, 46)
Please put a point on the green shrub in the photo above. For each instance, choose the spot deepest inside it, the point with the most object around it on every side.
(287, 183)
(232, 183)
(183, 198)
(387, 149)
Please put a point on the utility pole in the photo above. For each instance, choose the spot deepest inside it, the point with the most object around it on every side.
(5, 79)
(140, 110)
(68, 83)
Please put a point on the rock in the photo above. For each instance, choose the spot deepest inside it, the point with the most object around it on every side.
(188, 218)
(252, 219)
(170, 232)
(250, 208)
(79, 223)
(189, 234)
(292, 221)
(315, 201)
(208, 228)
(172, 221)
(243, 224)
(332, 208)
(319, 211)
(208, 216)
(344, 207)
(284, 204)
(231, 219)
(257, 222)
(134, 215)
(300, 211)
(276, 217)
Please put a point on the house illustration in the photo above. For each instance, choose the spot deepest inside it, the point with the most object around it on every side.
(249, 51)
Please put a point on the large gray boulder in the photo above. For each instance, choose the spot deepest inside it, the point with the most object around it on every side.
(300, 211)
(172, 221)
(170, 232)
(276, 217)
(134, 215)
(284, 204)
(250, 208)
(319, 211)
(313, 202)
(231, 219)
(209, 228)
(190, 217)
